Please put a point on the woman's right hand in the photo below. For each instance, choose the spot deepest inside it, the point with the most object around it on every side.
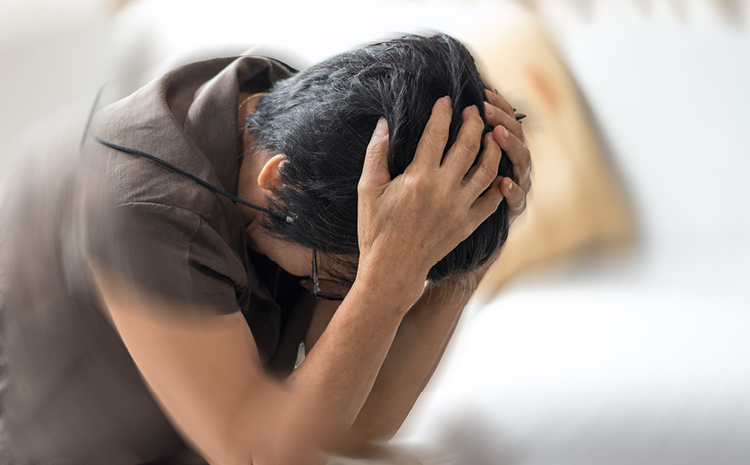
(407, 224)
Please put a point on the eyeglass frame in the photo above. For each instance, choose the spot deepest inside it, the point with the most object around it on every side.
(316, 282)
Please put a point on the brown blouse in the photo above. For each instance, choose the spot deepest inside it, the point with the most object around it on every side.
(73, 390)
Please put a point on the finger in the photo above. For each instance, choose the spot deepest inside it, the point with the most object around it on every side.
(487, 203)
(464, 151)
(375, 169)
(496, 117)
(518, 154)
(435, 135)
(481, 175)
(499, 102)
(514, 195)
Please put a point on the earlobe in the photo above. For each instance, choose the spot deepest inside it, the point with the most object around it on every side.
(269, 177)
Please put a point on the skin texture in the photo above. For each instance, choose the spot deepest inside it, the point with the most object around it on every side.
(375, 352)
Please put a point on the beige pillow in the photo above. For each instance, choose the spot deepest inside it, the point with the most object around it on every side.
(575, 204)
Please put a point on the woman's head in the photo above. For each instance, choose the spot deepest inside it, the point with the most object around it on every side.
(322, 119)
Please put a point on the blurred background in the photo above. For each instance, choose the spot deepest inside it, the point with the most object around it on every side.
(616, 326)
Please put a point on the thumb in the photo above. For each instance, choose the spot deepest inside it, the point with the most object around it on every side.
(375, 170)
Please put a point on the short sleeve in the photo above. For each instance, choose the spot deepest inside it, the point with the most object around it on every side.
(173, 253)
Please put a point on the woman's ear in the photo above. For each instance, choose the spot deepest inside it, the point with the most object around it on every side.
(269, 178)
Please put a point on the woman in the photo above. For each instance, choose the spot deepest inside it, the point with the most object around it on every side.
(152, 284)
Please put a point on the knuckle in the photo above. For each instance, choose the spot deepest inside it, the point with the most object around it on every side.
(518, 147)
(487, 173)
(527, 157)
(472, 145)
(418, 183)
(520, 204)
(468, 144)
(515, 142)
(374, 148)
(525, 170)
(434, 131)
(363, 187)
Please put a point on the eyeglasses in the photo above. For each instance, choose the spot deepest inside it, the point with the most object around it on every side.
(326, 289)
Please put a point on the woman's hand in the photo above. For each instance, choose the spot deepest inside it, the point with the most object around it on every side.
(407, 224)
(509, 135)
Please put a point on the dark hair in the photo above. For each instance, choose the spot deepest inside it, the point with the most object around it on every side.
(322, 119)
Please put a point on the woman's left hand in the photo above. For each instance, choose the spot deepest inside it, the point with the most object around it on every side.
(509, 136)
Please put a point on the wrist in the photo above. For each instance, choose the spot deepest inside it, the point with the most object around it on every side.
(400, 287)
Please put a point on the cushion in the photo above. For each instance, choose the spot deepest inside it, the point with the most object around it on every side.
(576, 203)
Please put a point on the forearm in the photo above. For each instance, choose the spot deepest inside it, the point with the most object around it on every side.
(329, 388)
(342, 366)
(414, 355)
(371, 369)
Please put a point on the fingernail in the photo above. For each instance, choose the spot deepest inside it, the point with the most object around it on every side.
(488, 110)
(506, 134)
(510, 186)
(382, 128)
(446, 101)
